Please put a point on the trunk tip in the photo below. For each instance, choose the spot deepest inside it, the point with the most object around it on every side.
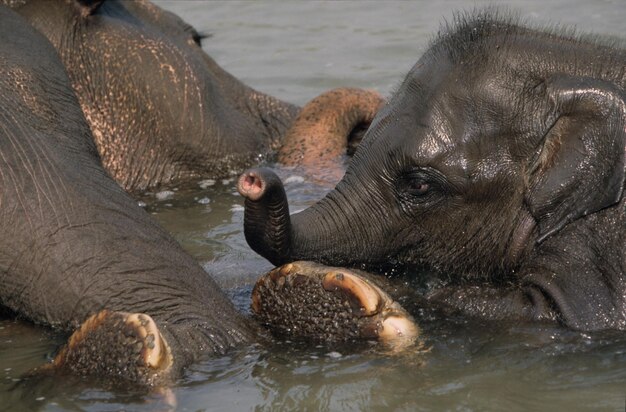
(253, 183)
(250, 185)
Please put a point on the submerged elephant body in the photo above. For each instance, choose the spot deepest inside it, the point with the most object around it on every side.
(74, 243)
(498, 163)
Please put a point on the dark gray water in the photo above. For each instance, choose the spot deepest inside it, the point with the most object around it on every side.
(296, 51)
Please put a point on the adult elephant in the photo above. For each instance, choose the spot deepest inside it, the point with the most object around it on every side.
(499, 163)
(74, 243)
(161, 110)
(77, 252)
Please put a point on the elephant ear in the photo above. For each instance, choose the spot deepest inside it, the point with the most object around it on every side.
(579, 168)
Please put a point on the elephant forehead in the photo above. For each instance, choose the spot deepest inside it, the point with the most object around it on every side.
(441, 136)
(469, 128)
(450, 141)
(418, 145)
(447, 120)
(436, 143)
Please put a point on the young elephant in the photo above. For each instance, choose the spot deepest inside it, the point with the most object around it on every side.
(160, 109)
(498, 163)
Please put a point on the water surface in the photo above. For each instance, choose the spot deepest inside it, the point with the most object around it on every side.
(296, 51)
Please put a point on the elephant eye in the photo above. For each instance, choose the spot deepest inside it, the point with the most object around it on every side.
(421, 185)
(418, 187)
(198, 37)
(415, 185)
(195, 37)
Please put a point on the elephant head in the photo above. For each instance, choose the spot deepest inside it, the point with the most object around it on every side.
(162, 110)
(498, 140)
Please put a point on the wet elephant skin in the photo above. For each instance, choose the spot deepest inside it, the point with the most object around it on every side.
(160, 109)
(73, 241)
(77, 250)
(498, 163)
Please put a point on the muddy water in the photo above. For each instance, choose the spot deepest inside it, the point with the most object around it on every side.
(295, 51)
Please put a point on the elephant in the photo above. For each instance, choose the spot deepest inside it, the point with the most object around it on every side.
(497, 167)
(161, 110)
(74, 242)
(79, 255)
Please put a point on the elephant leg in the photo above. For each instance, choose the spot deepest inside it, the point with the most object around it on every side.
(117, 344)
(312, 301)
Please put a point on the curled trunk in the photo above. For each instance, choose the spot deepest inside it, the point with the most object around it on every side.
(327, 128)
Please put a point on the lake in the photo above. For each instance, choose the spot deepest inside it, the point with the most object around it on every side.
(295, 51)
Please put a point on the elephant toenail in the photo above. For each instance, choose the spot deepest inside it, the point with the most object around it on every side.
(285, 270)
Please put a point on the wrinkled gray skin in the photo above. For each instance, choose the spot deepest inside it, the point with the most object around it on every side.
(73, 241)
(160, 109)
(499, 163)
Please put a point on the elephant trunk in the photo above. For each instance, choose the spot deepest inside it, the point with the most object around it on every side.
(318, 137)
(324, 127)
(267, 226)
(321, 233)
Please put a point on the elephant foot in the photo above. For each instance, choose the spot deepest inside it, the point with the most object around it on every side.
(308, 300)
(120, 345)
